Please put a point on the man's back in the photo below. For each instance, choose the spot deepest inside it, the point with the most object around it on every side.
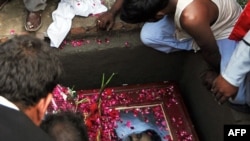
(15, 126)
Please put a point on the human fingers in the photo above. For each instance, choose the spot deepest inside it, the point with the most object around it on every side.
(214, 89)
(110, 25)
(99, 23)
(223, 99)
(217, 96)
(220, 98)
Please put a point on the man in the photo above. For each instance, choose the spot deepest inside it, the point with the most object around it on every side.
(183, 28)
(34, 8)
(173, 25)
(228, 85)
(65, 126)
(29, 72)
(236, 75)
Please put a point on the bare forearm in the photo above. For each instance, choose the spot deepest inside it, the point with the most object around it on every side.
(116, 7)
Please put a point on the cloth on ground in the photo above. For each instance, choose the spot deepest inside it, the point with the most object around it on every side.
(65, 12)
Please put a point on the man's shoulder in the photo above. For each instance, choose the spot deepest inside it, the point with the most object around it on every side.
(194, 10)
(15, 125)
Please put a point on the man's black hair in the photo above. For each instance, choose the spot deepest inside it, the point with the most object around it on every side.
(65, 126)
(29, 70)
(136, 11)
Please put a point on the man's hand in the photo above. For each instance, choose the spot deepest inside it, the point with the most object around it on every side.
(223, 90)
(105, 21)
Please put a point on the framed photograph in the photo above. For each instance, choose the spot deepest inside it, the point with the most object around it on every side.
(123, 113)
(138, 119)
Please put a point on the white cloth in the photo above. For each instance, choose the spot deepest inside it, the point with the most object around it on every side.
(239, 64)
(65, 12)
(7, 103)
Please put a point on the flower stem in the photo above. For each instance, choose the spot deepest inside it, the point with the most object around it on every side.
(99, 100)
(103, 86)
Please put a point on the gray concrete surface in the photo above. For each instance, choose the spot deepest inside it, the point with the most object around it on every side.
(134, 63)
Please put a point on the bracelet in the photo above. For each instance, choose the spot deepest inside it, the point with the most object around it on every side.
(247, 43)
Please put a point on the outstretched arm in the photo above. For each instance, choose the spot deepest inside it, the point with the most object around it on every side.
(196, 20)
(226, 85)
(107, 19)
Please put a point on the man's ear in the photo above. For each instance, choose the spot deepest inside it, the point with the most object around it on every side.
(42, 107)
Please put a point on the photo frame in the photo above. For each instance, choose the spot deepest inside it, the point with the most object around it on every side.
(118, 112)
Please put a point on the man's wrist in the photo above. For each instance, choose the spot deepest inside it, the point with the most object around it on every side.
(231, 81)
(111, 12)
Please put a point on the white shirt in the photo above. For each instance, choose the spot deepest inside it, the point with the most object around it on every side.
(7, 103)
(239, 64)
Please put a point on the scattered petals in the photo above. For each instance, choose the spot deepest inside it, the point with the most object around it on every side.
(12, 32)
(65, 98)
